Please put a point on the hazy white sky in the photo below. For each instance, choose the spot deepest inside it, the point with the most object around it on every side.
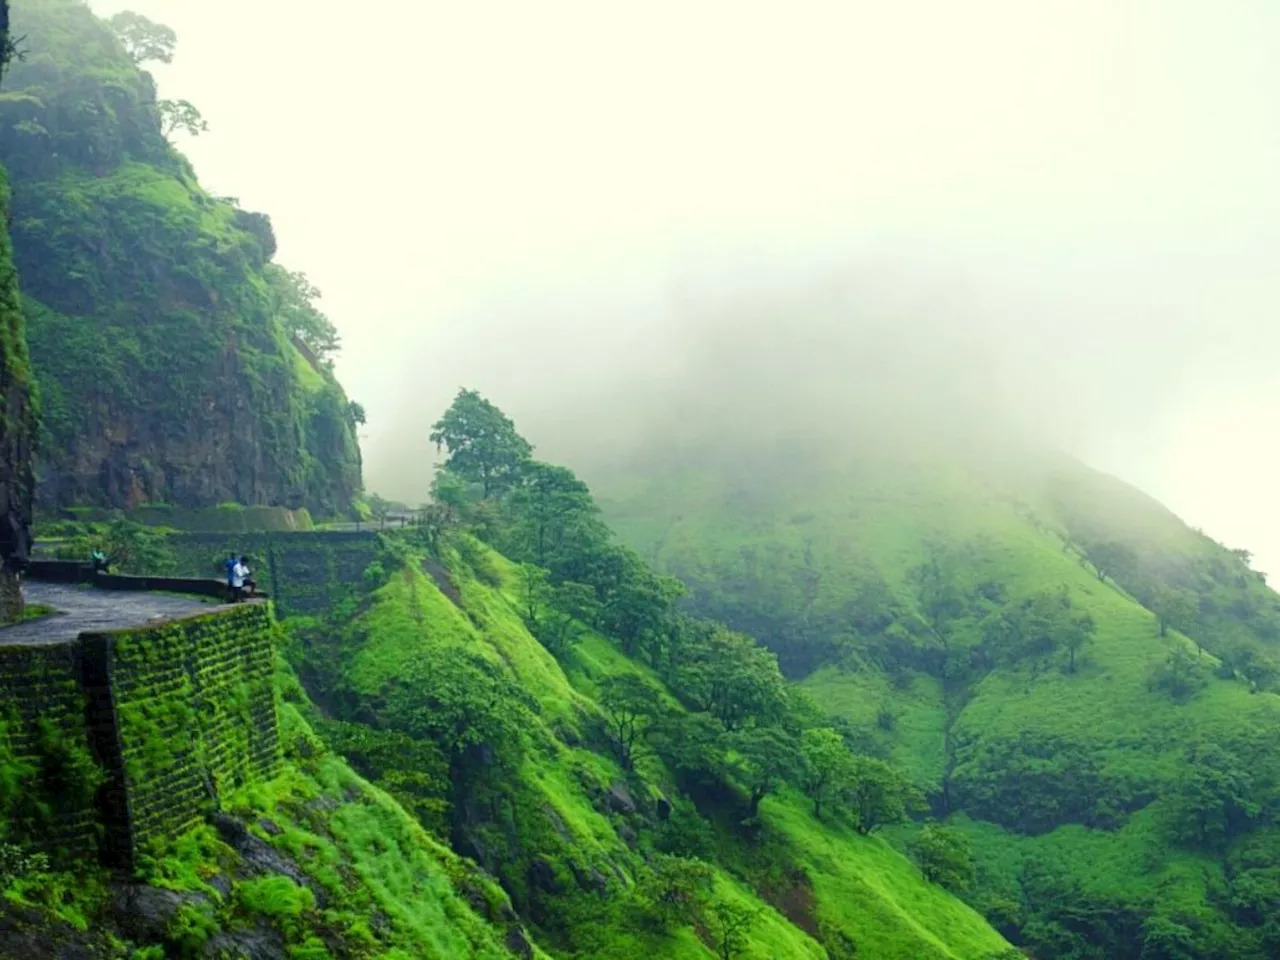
(529, 198)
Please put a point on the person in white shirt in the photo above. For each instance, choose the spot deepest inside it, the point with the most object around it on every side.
(238, 572)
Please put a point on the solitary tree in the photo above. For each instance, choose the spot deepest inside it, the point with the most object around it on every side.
(629, 704)
(483, 444)
(1106, 557)
(295, 305)
(828, 765)
(1076, 630)
(180, 115)
(673, 890)
(1181, 674)
(144, 39)
(548, 501)
(1174, 607)
(944, 856)
(764, 758)
(730, 925)
(880, 795)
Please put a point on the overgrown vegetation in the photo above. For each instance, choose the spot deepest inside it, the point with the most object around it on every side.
(635, 777)
(155, 314)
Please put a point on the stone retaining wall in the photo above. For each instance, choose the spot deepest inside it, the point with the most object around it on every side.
(123, 740)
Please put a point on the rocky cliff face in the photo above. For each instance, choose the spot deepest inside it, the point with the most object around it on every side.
(17, 417)
(164, 370)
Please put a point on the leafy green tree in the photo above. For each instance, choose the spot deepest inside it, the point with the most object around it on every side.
(1106, 557)
(1075, 631)
(1164, 938)
(295, 306)
(535, 594)
(673, 890)
(693, 745)
(630, 704)
(483, 444)
(1036, 627)
(466, 705)
(944, 856)
(1175, 607)
(548, 506)
(635, 604)
(180, 116)
(1262, 671)
(880, 795)
(730, 925)
(1215, 799)
(828, 765)
(130, 547)
(1181, 675)
(734, 678)
(143, 39)
(763, 759)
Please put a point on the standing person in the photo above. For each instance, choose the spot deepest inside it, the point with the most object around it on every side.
(230, 565)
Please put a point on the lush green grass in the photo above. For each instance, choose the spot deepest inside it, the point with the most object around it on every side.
(860, 887)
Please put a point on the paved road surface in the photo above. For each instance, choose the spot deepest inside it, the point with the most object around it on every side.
(87, 608)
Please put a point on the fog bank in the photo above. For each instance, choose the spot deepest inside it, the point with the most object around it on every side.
(600, 215)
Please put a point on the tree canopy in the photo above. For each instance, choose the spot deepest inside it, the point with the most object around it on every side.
(483, 444)
(144, 39)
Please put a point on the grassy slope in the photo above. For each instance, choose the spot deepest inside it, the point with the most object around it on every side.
(704, 526)
(862, 886)
(378, 887)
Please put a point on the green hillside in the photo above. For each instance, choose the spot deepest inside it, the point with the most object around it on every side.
(636, 781)
(176, 362)
(990, 621)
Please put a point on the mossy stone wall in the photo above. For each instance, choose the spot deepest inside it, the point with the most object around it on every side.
(196, 716)
(44, 720)
(114, 743)
(305, 573)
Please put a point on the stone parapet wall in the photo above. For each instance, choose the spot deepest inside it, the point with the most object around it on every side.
(124, 740)
(305, 573)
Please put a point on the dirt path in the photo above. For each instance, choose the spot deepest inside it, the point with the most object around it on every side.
(82, 609)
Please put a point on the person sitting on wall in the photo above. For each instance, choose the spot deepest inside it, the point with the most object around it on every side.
(100, 562)
(250, 584)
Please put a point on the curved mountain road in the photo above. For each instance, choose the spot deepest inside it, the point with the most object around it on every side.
(84, 609)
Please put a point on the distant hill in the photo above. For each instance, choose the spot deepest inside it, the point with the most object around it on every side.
(155, 314)
(1123, 796)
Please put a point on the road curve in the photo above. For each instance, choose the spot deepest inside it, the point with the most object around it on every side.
(82, 609)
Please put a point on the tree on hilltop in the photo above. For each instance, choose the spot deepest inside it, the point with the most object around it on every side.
(180, 116)
(483, 444)
(144, 39)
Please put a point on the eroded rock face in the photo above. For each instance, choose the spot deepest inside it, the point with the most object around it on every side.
(153, 319)
(17, 423)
